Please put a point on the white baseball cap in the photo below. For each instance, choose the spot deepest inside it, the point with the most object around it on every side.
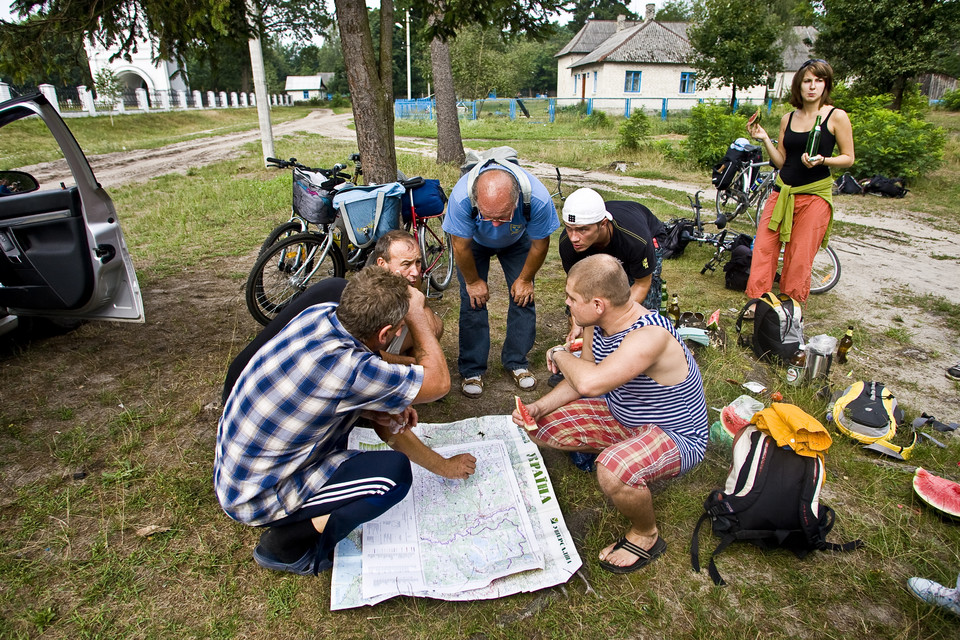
(584, 206)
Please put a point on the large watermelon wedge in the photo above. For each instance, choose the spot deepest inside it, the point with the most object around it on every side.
(941, 494)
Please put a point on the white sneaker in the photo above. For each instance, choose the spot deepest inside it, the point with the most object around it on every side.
(935, 593)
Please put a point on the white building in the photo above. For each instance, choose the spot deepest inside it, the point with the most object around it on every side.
(303, 88)
(611, 61)
(140, 72)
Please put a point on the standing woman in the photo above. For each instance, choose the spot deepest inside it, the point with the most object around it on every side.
(800, 211)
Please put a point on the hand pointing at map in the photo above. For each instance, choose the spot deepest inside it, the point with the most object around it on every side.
(457, 467)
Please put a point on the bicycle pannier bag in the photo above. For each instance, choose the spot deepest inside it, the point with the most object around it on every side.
(311, 200)
(847, 184)
(737, 270)
(429, 200)
(369, 211)
(739, 153)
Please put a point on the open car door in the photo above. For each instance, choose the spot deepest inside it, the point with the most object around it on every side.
(62, 253)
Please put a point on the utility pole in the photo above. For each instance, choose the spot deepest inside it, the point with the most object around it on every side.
(260, 87)
(407, 12)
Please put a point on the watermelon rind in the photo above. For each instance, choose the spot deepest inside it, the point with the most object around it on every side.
(529, 425)
(940, 494)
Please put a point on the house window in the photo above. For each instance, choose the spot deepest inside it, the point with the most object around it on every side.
(632, 82)
(576, 83)
(594, 82)
(688, 82)
(306, 94)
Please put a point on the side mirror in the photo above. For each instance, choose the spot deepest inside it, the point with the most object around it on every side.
(14, 182)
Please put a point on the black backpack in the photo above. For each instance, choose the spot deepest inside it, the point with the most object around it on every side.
(887, 187)
(848, 185)
(679, 233)
(777, 326)
(771, 499)
(737, 270)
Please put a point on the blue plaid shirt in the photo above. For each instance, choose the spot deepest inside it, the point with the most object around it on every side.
(284, 427)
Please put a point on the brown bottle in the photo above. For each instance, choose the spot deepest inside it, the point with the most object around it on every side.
(674, 310)
(845, 343)
(796, 366)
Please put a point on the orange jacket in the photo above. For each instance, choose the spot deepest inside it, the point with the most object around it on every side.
(790, 426)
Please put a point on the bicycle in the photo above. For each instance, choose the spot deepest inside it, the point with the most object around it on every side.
(824, 275)
(312, 245)
(749, 189)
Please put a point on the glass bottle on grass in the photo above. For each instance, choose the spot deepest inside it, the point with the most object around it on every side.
(845, 343)
(674, 310)
(795, 367)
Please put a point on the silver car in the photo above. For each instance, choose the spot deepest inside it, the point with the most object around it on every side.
(62, 253)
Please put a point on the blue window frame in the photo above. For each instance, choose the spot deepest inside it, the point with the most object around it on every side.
(594, 82)
(632, 81)
(576, 83)
(306, 94)
(688, 82)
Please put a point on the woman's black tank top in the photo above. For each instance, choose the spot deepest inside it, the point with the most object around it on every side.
(793, 172)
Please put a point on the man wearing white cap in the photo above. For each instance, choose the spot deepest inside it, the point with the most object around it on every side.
(624, 229)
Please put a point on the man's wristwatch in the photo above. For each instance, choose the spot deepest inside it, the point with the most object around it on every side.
(553, 350)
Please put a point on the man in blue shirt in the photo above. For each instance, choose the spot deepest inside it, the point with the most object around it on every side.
(281, 459)
(496, 218)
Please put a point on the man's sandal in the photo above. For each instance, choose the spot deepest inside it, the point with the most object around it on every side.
(644, 556)
(524, 379)
(472, 387)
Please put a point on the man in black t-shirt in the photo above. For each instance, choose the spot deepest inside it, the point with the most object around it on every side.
(626, 230)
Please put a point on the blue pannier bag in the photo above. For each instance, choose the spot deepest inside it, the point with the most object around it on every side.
(369, 211)
(429, 200)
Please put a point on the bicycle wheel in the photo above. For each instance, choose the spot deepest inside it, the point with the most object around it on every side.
(826, 271)
(731, 201)
(280, 232)
(286, 269)
(436, 249)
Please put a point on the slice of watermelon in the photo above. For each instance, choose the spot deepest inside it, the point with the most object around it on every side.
(731, 421)
(528, 422)
(756, 117)
(576, 345)
(941, 494)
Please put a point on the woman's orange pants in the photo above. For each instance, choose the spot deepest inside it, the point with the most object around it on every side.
(811, 217)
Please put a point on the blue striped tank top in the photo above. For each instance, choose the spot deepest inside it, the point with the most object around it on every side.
(680, 410)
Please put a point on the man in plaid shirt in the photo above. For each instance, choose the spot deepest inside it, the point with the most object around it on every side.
(281, 459)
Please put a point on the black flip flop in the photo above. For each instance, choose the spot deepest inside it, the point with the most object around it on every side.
(644, 556)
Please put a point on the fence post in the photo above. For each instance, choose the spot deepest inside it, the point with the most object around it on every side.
(589, 106)
(626, 107)
(663, 110)
(86, 100)
(513, 109)
(198, 99)
(243, 99)
(4, 92)
(142, 101)
(165, 100)
(223, 99)
(253, 99)
(50, 93)
(211, 100)
(473, 115)
(234, 100)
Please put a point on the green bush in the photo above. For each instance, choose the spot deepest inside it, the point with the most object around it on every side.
(712, 130)
(598, 120)
(894, 143)
(634, 130)
(951, 100)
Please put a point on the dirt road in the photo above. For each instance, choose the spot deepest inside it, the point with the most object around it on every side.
(893, 251)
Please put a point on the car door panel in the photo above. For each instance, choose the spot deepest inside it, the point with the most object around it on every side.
(62, 251)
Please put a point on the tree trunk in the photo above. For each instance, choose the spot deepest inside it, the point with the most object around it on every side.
(899, 85)
(371, 85)
(733, 99)
(449, 142)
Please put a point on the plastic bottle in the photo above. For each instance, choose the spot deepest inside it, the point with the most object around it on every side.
(845, 343)
(795, 368)
(674, 310)
(813, 140)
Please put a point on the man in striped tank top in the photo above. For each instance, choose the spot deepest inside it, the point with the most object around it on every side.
(635, 397)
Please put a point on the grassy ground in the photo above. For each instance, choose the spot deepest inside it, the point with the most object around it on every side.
(110, 429)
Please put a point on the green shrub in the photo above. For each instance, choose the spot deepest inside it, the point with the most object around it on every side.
(671, 151)
(894, 143)
(338, 100)
(598, 120)
(634, 130)
(951, 100)
(712, 130)
(579, 109)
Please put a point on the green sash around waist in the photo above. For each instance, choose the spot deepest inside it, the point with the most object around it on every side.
(782, 218)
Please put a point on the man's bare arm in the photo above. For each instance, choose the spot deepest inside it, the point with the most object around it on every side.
(406, 442)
